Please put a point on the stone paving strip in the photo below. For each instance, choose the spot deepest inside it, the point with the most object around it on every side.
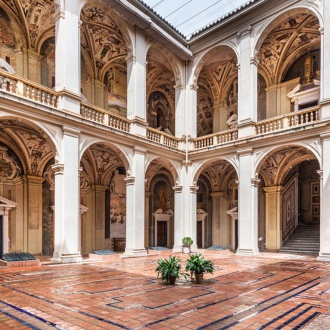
(273, 291)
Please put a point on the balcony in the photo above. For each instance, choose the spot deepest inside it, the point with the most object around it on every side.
(28, 90)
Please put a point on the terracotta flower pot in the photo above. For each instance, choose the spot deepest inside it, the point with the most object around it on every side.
(199, 278)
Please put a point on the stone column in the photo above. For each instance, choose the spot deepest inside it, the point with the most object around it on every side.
(219, 219)
(147, 227)
(135, 207)
(99, 98)
(178, 218)
(216, 217)
(136, 85)
(273, 217)
(325, 62)
(34, 65)
(247, 206)
(99, 208)
(324, 254)
(218, 118)
(247, 85)
(67, 55)
(34, 199)
(192, 220)
(180, 115)
(67, 238)
(191, 117)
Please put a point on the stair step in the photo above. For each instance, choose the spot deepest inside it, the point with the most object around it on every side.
(304, 240)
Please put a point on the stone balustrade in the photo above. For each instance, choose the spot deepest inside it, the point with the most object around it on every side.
(292, 119)
(215, 139)
(104, 117)
(26, 88)
(162, 138)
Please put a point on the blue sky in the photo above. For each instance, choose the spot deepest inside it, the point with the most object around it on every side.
(189, 16)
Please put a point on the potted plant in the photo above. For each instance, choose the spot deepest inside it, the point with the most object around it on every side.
(198, 265)
(187, 242)
(170, 269)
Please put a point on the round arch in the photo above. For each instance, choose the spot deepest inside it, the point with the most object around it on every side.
(271, 23)
(172, 60)
(202, 166)
(121, 151)
(171, 166)
(202, 59)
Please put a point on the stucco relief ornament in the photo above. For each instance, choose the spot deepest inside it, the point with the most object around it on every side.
(8, 167)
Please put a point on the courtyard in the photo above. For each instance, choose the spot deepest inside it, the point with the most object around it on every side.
(271, 291)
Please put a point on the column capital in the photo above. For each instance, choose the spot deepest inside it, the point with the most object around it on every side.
(194, 189)
(193, 87)
(139, 150)
(273, 189)
(57, 168)
(177, 189)
(320, 173)
(217, 194)
(130, 58)
(35, 179)
(255, 182)
(130, 180)
(247, 151)
(244, 32)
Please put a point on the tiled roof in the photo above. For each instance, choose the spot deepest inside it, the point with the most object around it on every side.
(206, 27)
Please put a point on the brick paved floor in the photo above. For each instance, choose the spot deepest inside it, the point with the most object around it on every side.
(272, 291)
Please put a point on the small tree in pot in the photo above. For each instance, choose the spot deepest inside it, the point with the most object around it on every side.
(170, 269)
(197, 264)
(187, 242)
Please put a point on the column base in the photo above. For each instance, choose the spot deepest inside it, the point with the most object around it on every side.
(66, 258)
(247, 252)
(323, 257)
(131, 253)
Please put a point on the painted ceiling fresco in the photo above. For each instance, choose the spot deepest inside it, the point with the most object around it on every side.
(287, 40)
(101, 36)
(160, 91)
(215, 87)
(280, 162)
(99, 161)
(25, 140)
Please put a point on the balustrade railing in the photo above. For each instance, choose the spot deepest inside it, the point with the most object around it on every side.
(28, 89)
(104, 117)
(215, 139)
(162, 138)
(292, 119)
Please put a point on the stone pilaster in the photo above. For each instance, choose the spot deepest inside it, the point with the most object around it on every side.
(273, 217)
(135, 209)
(34, 199)
(247, 85)
(67, 240)
(178, 219)
(67, 69)
(324, 254)
(136, 85)
(247, 206)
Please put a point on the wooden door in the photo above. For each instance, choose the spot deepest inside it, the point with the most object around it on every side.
(162, 233)
(199, 234)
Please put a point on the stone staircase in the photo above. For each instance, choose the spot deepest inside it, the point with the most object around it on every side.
(304, 240)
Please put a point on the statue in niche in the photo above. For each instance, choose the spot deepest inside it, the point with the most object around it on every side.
(110, 77)
(162, 202)
(309, 68)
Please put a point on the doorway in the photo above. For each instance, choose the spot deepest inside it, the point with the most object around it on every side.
(200, 234)
(162, 233)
